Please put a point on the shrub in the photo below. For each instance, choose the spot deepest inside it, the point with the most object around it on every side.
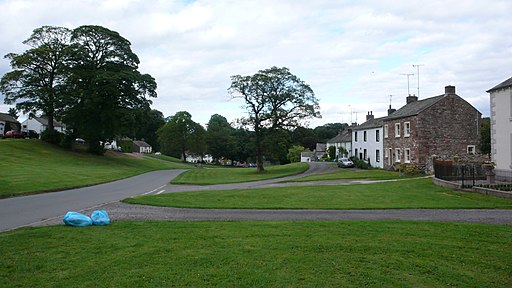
(408, 168)
(53, 137)
(358, 163)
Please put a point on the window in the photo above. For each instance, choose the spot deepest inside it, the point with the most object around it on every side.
(377, 135)
(398, 157)
(407, 155)
(397, 129)
(365, 155)
(355, 153)
(407, 129)
(386, 131)
(355, 136)
(471, 149)
(364, 136)
(377, 155)
(390, 158)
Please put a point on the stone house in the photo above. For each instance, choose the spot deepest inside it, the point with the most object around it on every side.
(501, 129)
(367, 141)
(442, 127)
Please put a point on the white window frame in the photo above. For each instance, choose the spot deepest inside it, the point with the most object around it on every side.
(365, 154)
(397, 130)
(386, 130)
(398, 156)
(365, 134)
(390, 158)
(407, 129)
(407, 155)
(377, 156)
(377, 135)
(471, 149)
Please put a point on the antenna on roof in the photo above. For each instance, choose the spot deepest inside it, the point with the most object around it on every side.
(408, 75)
(418, 66)
(390, 98)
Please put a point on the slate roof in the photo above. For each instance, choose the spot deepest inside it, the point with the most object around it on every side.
(321, 147)
(44, 120)
(505, 84)
(372, 123)
(344, 136)
(7, 118)
(414, 108)
(307, 154)
(140, 143)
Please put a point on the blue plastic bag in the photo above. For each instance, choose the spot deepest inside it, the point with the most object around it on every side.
(100, 218)
(77, 219)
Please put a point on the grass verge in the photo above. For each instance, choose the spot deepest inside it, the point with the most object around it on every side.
(32, 166)
(408, 194)
(208, 176)
(259, 254)
(353, 174)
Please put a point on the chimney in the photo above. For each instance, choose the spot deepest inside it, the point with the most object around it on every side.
(391, 110)
(411, 98)
(449, 90)
(369, 116)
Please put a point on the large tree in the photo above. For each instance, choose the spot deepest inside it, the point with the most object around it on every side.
(220, 138)
(37, 81)
(104, 83)
(181, 135)
(274, 98)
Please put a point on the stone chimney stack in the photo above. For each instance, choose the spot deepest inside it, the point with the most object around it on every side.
(369, 116)
(449, 90)
(411, 98)
(391, 110)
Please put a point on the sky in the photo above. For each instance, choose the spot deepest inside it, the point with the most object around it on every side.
(353, 54)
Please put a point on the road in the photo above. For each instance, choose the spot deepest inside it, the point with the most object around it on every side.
(49, 208)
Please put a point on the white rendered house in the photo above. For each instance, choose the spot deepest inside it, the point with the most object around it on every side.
(40, 124)
(367, 141)
(501, 129)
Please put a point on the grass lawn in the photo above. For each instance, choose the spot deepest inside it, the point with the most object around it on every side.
(259, 254)
(413, 193)
(31, 166)
(343, 174)
(209, 176)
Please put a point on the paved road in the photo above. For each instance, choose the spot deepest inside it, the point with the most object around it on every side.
(48, 209)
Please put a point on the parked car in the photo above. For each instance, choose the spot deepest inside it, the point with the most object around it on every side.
(13, 134)
(345, 163)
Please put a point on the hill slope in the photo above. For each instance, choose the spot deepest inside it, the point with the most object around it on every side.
(32, 166)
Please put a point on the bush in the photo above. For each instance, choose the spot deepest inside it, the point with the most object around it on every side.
(408, 168)
(361, 164)
(53, 137)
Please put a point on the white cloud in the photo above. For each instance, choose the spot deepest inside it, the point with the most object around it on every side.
(350, 52)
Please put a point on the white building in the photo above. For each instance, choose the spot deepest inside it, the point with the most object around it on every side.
(501, 129)
(367, 141)
(40, 124)
(342, 140)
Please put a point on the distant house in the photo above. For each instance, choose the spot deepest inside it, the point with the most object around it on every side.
(40, 124)
(8, 123)
(308, 156)
(320, 150)
(367, 141)
(443, 126)
(342, 140)
(141, 147)
(501, 129)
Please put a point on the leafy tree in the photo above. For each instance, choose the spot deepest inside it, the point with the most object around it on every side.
(13, 112)
(305, 137)
(294, 153)
(328, 131)
(245, 147)
(485, 136)
(181, 135)
(274, 98)
(38, 78)
(104, 83)
(276, 144)
(219, 138)
(331, 151)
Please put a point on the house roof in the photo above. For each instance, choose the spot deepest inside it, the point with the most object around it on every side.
(343, 136)
(141, 143)
(505, 84)
(372, 123)
(7, 118)
(44, 120)
(414, 108)
(307, 154)
(320, 147)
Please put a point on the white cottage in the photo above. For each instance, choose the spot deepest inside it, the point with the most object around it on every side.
(501, 129)
(367, 141)
(40, 124)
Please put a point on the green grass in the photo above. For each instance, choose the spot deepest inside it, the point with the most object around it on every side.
(32, 166)
(353, 174)
(259, 254)
(209, 176)
(407, 194)
(166, 158)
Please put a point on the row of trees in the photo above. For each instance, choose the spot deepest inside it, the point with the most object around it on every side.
(86, 77)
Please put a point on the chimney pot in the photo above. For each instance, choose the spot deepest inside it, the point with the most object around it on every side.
(411, 98)
(449, 90)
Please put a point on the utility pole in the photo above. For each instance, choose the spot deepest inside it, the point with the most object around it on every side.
(408, 75)
(418, 73)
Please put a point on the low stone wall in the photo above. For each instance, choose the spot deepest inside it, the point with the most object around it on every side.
(480, 190)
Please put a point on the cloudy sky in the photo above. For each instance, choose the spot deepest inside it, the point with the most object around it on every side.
(352, 53)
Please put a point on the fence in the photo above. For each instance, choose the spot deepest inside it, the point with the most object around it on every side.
(467, 174)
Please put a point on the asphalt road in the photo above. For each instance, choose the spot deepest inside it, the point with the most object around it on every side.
(49, 208)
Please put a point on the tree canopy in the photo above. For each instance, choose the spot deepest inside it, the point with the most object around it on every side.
(274, 98)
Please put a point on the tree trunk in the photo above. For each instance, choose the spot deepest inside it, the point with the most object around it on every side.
(259, 153)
